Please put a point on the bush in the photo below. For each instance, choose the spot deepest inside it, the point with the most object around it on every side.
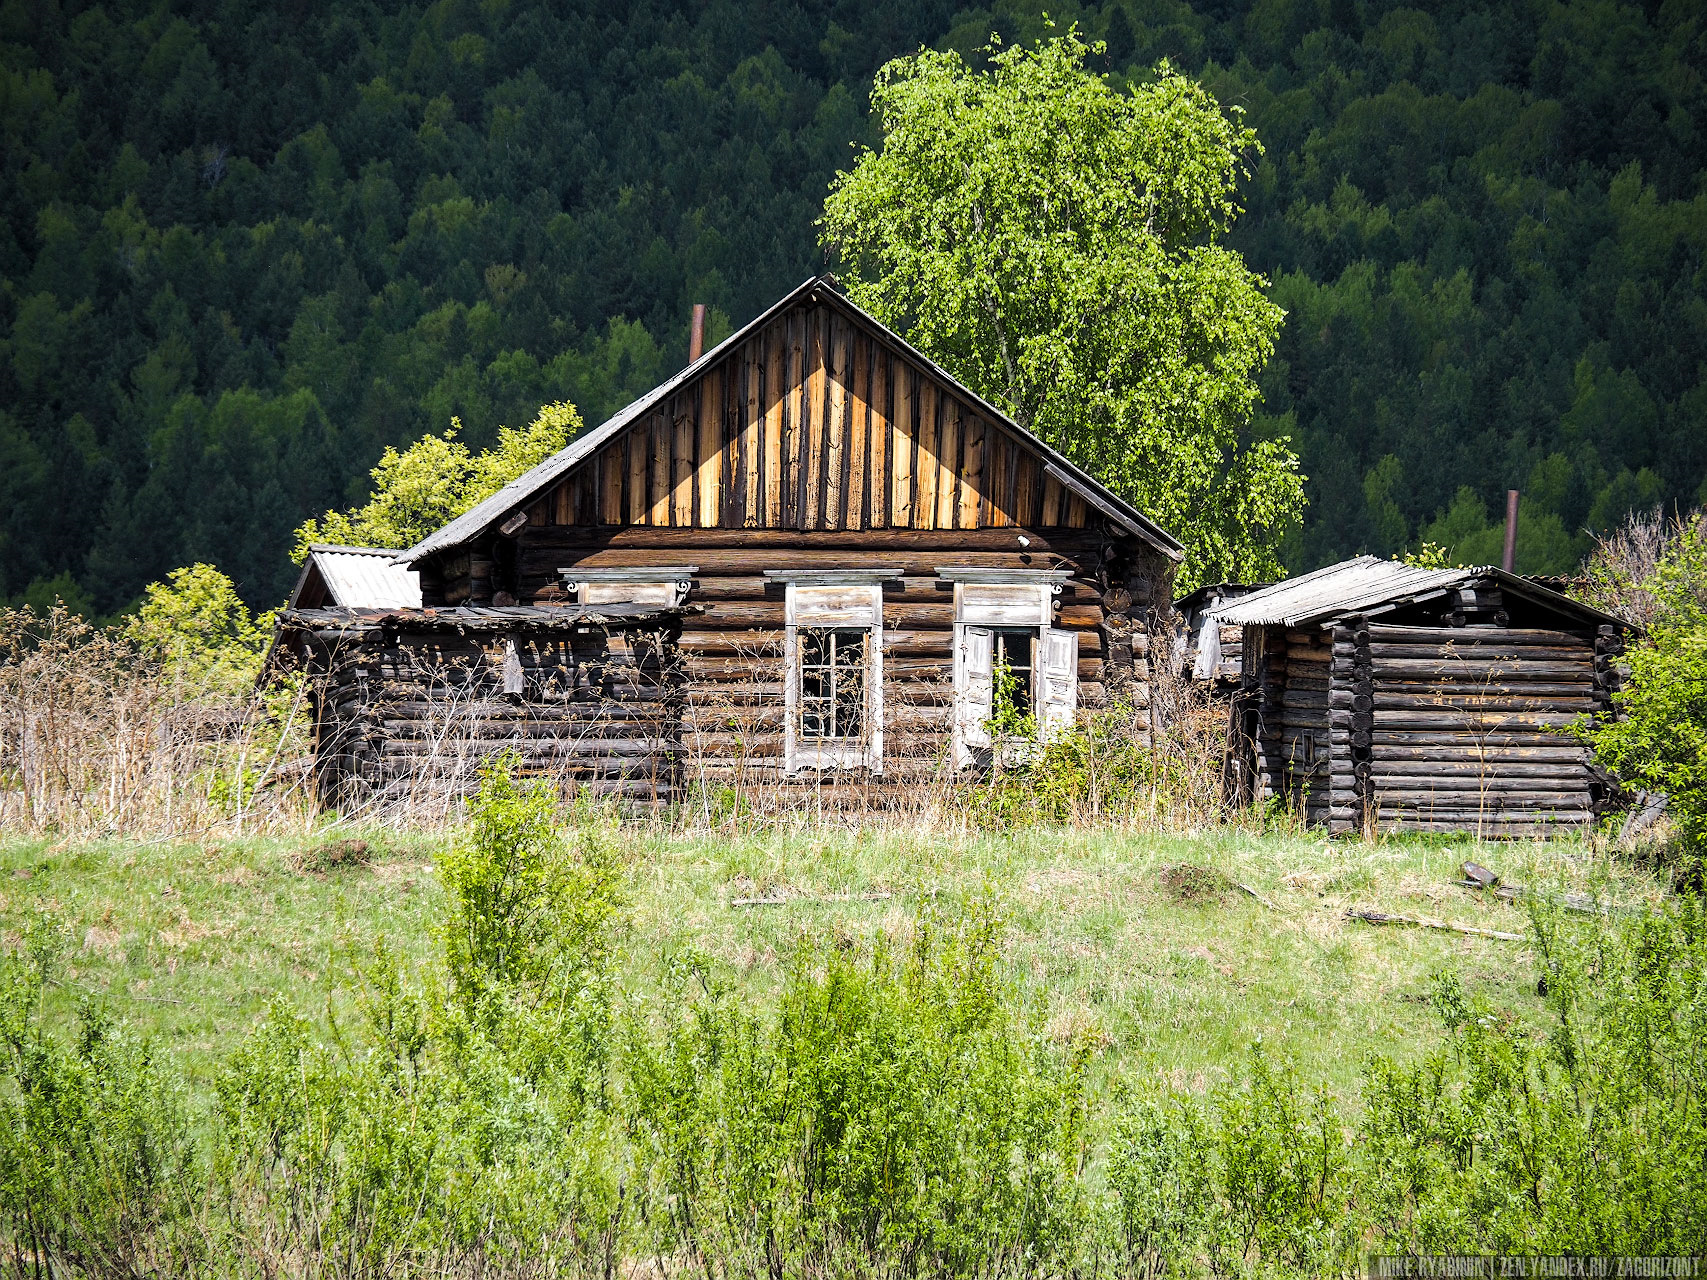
(1583, 1136)
(1659, 741)
(97, 1167)
(896, 1115)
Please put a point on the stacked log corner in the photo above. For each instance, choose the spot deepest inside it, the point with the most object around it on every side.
(1351, 729)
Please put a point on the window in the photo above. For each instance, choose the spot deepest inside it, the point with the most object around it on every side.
(833, 668)
(651, 584)
(1016, 653)
(832, 684)
(1004, 619)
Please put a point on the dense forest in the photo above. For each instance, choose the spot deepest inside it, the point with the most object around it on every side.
(246, 246)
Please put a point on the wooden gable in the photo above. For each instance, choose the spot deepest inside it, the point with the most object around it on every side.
(813, 422)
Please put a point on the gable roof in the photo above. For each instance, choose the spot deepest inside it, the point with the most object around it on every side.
(360, 577)
(1367, 585)
(818, 289)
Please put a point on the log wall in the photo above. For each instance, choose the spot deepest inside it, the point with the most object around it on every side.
(409, 717)
(1468, 728)
(1289, 683)
(730, 652)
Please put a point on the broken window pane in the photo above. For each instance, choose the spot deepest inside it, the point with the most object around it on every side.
(832, 683)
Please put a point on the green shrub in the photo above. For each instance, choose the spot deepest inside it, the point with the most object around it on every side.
(1587, 1135)
(1659, 741)
(529, 931)
(1161, 1178)
(897, 1114)
(97, 1166)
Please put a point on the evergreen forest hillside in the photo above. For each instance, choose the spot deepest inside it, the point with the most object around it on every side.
(245, 247)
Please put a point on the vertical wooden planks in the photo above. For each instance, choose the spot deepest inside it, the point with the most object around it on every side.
(710, 469)
(924, 505)
(610, 483)
(734, 407)
(1074, 516)
(773, 394)
(948, 462)
(877, 472)
(901, 447)
(1025, 485)
(681, 497)
(859, 399)
(752, 428)
(638, 506)
(835, 423)
(816, 378)
(971, 472)
(794, 424)
(565, 509)
(662, 434)
(1052, 494)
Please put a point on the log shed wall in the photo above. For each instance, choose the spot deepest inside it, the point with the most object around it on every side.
(1440, 700)
(409, 704)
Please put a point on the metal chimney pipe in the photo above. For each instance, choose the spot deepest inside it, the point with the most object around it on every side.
(1509, 558)
(696, 333)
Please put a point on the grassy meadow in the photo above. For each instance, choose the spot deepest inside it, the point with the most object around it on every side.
(191, 940)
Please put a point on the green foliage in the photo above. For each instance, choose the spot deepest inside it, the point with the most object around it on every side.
(97, 1162)
(1580, 1137)
(435, 480)
(196, 625)
(1430, 555)
(897, 1112)
(1658, 742)
(1057, 244)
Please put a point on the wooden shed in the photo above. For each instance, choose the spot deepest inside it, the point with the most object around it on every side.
(836, 545)
(1378, 696)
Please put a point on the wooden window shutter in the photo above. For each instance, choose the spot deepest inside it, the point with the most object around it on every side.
(974, 691)
(1058, 681)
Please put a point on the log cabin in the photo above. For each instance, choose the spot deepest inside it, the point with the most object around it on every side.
(812, 557)
(1377, 696)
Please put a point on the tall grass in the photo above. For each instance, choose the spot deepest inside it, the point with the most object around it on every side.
(895, 1105)
(99, 737)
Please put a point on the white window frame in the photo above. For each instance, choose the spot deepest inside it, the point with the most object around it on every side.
(666, 585)
(986, 600)
(839, 600)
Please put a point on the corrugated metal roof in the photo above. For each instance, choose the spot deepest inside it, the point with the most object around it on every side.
(1367, 585)
(524, 487)
(361, 577)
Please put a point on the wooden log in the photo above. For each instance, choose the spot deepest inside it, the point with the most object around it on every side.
(1563, 769)
(1497, 670)
(1472, 722)
(1378, 917)
(1457, 703)
(1382, 633)
(1456, 655)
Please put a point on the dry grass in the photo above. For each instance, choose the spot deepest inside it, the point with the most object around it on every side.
(1621, 566)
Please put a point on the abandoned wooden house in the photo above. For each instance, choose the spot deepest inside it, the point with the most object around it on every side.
(1379, 696)
(810, 557)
